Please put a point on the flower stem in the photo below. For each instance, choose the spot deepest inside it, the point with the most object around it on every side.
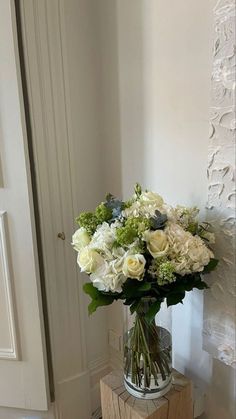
(145, 359)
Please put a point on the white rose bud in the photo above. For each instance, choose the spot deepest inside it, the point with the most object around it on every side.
(89, 260)
(133, 266)
(157, 242)
(80, 239)
(152, 198)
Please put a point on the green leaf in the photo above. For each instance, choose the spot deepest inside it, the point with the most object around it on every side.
(91, 290)
(175, 298)
(178, 287)
(189, 286)
(133, 288)
(152, 311)
(144, 286)
(98, 299)
(138, 190)
(129, 301)
(158, 220)
(134, 306)
(99, 302)
(211, 266)
(201, 285)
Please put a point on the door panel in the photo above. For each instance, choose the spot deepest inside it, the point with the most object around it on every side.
(23, 367)
(8, 340)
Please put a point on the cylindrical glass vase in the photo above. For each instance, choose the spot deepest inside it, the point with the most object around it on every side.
(147, 352)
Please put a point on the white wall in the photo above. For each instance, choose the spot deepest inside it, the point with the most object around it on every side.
(164, 59)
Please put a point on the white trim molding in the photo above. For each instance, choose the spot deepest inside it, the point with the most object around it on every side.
(9, 351)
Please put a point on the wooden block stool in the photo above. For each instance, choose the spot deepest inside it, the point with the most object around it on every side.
(117, 403)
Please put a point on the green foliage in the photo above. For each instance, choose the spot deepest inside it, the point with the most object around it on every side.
(153, 310)
(138, 190)
(134, 306)
(211, 266)
(98, 299)
(133, 288)
(103, 213)
(158, 221)
(175, 298)
(88, 220)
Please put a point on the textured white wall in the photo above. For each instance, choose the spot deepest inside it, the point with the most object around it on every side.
(220, 303)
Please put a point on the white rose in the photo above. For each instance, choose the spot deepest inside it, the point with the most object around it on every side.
(80, 239)
(89, 260)
(133, 266)
(152, 198)
(157, 242)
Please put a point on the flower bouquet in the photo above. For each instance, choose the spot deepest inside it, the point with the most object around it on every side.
(143, 252)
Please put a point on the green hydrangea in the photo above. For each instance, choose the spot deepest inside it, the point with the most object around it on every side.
(139, 224)
(165, 273)
(125, 235)
(103, 213)
(89, 221)
(131, 230)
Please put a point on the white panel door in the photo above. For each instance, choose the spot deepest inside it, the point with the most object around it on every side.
(23, 369)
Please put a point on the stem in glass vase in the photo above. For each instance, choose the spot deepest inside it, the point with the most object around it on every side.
(145, 358)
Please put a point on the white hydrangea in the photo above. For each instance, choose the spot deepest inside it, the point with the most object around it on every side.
(145, 206)
(109, 277)
(104, 238)
(188, 253)
(182, 215)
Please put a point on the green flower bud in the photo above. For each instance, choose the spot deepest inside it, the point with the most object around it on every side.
(103, 213)
(89, 221)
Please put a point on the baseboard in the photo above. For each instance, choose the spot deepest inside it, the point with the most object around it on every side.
(97, 368)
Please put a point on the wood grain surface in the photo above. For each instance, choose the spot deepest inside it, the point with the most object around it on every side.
(117, 403)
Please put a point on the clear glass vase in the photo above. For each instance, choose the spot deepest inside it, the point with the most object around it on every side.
(148, 352)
